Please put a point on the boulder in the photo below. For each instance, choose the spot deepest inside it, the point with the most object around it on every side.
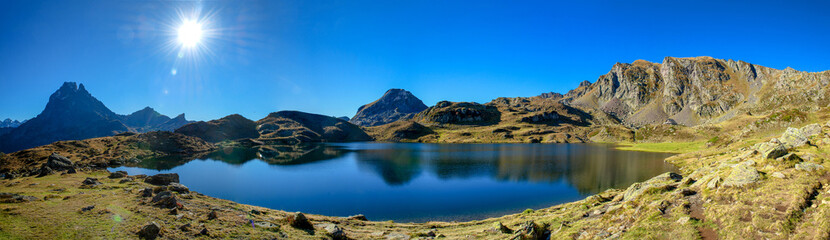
(501, 228)
(778, 175)
(663, 181)
(91, 182)
(808, 166)
(212, 215)
(147, 192)
(789, 157)
(149, 231)
(58, 162)
(178, 187)
(162, 179)
(741, 175)
(118, 174)
(44, 171)
(771, 149)
(529, 231)
(334, 232)
(359, 217)
(811, 130)
(298, 220)
(714, 183)
(165, 200)
(793, 138)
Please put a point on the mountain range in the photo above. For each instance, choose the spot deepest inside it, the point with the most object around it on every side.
(679, 98)
(72, 113)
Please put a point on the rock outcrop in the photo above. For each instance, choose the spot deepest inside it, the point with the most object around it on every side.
(445, 112)
(692, 91)
(394, 105)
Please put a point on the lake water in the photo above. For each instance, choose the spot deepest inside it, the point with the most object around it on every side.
(411, 182)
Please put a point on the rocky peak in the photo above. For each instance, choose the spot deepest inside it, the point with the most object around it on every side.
(694, 90)
(394, 105)
(8, 123)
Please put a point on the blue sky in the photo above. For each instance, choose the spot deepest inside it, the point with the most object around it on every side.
(330, 57)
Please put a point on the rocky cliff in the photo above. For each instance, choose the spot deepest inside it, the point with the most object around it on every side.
(395, 104)
(693, 91)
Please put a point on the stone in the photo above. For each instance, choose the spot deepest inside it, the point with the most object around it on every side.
(91, 182)
(793, 138)
(118, 174)
(335, 232)
(185, 227)
(212, 215)
(529, 231)
(298, 220)
(501, 228)
(789, 157)
(778, 175)
(165, 200)
(44, 171)
(255, 212)
(16, 198)
(741, 175)
(87, 208)
(771, 149)
(204, 232)
(58, 162)
(663, 181)
(126, 180)
(147, 192)
(177, 187)
(683, 220)
(808, 166)
(359, 217)
(149, 231)
(811, 130)
(162, 179)
(714, 183)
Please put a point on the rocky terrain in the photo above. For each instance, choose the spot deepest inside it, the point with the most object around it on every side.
(762, 188)
(695, 91)
(394, 105)
(72, 113)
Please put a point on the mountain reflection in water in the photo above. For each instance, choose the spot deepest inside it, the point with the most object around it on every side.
(419, 181)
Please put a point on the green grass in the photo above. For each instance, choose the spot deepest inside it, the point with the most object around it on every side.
(667, 147)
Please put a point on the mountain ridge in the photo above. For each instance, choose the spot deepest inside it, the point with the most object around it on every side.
(72, 113)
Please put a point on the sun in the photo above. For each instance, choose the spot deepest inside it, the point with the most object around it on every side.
(190, 33)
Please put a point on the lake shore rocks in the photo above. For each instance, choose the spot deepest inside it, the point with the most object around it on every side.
(162, 179)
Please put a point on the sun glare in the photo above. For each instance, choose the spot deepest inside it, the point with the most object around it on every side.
(190, 33)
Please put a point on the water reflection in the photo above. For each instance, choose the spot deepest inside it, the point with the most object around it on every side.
(410, 181)
(591, 168)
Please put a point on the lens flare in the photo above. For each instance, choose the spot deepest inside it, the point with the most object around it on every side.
(190, 33)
